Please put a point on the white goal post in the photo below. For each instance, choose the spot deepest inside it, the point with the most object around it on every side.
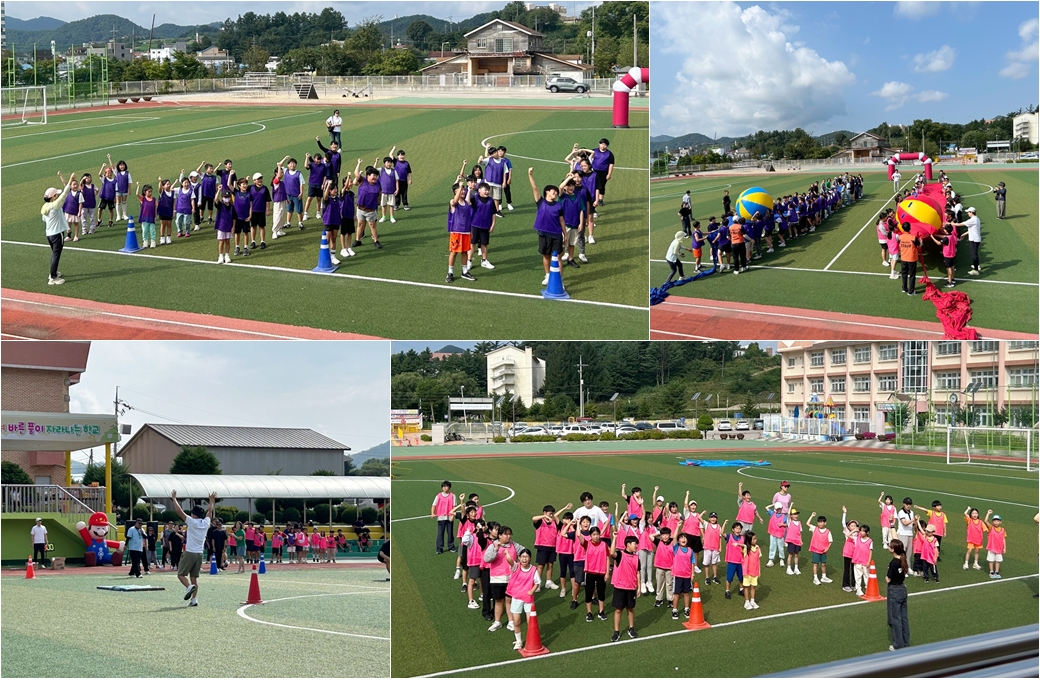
(28, 103)
(992, 446)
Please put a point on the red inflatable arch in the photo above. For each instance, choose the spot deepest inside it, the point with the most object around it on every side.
(623, 87)
(896, 157)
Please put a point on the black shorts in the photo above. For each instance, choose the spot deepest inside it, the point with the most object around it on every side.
(106, 204)
(696, 545)
(165, 218)
(276, 551)
(498, 591)
(578, 571)
(803, 223)
(479, 236)
(207, 203)
(473, 573)
(549, 244)
(349, 224)
(624, 599)
(241, 226)
(950, 264)
(601, 182)
(793, 549)
(726, 248)
(566, 564)
(314, 192)
(258, 219)
(331, 228)
(682, 584)
(545, 556)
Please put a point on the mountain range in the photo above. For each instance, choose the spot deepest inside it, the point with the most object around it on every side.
(42, 30)
(377, 451)
(700, 142)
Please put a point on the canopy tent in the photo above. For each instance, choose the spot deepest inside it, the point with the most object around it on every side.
(263, 486)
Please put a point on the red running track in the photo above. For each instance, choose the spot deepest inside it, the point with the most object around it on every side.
(37, 316)
(683, 318)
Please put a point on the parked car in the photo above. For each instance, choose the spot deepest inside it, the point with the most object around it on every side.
(1031, 156)
(642, 425)
(533, 431)
(565, 84)
(555, 429)
(575, 428)
(743, 425)
(725, 426)
(624, 429)
(669, 426)
(516, 428)
(759, 424)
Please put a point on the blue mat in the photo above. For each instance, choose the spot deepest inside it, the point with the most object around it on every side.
(726, 463)
(658, 295)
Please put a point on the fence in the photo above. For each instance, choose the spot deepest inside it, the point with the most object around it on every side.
(471, 431)
(818, 429)
(844, 164)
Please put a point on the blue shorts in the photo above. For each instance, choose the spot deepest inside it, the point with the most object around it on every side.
(733, 569)
(293, 205)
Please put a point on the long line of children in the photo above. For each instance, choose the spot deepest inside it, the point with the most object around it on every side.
(656, 549)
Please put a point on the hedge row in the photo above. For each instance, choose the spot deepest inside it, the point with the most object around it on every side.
(605, 437)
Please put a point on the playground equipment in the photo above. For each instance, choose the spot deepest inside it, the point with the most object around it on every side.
(623, 87)
(922, 156)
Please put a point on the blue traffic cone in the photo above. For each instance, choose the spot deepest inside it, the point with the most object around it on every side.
(325, 265)
(555, 291)
(213, 565)
(131, 237)
(263, 567)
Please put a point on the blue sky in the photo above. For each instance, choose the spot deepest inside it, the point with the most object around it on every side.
(735, 68)
(340, 389)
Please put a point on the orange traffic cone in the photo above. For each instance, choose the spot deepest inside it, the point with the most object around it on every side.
(533, 646)
(30, 571)
(696, 620)
(254, 589)
(872, 590)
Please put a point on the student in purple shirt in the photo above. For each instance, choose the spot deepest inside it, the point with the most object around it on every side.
(349, 212)
(483, 223)
(333, 160)
(387, 189)
(573, 202)
(548, 222)
(196, 197)
(243, 204)
(164, 211)
(123, 180)
(183, 207)
(603, 164)
(278, 200)
(228, 177)
(315, 182)
(72, 207)
(404, 179)
(108, 193)
(460, 214)
(147, 215)
(331, 215)
(367, 205)
(89, 192)
(208, 192)
(224, 224)
(293, 180)
(588, 184)
(260, 197)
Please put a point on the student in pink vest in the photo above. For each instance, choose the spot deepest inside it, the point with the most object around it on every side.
(777, 530)
(276, 546)
(888, 518)
(995, 545)
(820, 540)
(546, 531)
(443, 509)
(691, 526)
(793, 538)
(752, 567)
(918, 546)
(250, 533)
(938, 519)
(634, 503)
(930, 553)
(524, 582)
(682, 574)
(301, 545)
(851, 530)
(625, 581)
(861, 555)
(469, 517)
(565, 552)
(498, 567)
(948, 242)
(735, 558)
(645, 534)
(607, 527)
(975, 529)
(596, 552)
(712, 548)
(746, 510)
(584, 528)
(663, 558)
(474, 558)
(671, 518)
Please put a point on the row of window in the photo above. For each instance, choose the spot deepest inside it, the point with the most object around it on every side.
(1017, 377)
(890, 352)
(497, 45)
(985, 417)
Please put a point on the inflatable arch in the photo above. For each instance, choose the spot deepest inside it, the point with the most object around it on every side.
(896, 157)
(624, 86)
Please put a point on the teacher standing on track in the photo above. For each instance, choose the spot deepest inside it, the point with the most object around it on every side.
(334, 123)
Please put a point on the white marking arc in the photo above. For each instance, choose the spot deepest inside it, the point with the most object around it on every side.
(484, 142)
(486, 505)
(241, 612)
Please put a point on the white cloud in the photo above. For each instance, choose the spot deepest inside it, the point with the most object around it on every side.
(931, 96)
(746, 73)
(939, 60)
(917, 10)
(897, 94)
(1022, 60)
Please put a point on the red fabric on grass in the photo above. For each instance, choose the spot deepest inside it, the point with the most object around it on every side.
(953, 309)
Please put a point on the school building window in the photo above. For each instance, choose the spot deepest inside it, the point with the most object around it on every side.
(839, 412)
(942, 416)
(838, 385)
(1023, 344)
(816, 385)
(861, 413)
(888, 352)
(861, 383)
(791, 362)
(837, 357)
(983, 417)
(948, 381)
(886, 383)
(988, 378)
(861, 355)
(984, 346)
(482, 43)
(816, 359)
(790, 387)
(503, 44)
(945, 348)
(1022, 377)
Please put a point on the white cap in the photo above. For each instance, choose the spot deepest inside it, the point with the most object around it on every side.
(680, 235)
(51, 193)
(39, 519)
(258, 175)
(971, 210)
(660, 498)
(193, 174)
(778, 506)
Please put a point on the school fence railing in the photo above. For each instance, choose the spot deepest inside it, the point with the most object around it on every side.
(843, 164)
(1011, 653)
(475, 431)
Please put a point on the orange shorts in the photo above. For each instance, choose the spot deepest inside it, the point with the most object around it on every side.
(696, 252)
(972, 546)
(458, 242)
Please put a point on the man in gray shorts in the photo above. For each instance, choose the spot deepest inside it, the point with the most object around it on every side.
(195, 543)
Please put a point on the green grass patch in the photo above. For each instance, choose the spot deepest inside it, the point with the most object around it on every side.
(433, 623)
(1004, 297)
(164, 141)
(154, 627)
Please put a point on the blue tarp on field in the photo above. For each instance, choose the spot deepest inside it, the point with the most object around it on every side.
(726, 463)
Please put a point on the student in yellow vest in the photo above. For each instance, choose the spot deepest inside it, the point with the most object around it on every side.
(909, 253)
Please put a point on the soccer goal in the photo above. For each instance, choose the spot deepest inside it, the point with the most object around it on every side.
(992, 446)
(29, 104)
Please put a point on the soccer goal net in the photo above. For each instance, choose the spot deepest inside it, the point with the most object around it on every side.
(992, 446)
(25, 105)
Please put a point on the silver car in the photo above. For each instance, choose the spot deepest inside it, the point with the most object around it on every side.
(565, 84)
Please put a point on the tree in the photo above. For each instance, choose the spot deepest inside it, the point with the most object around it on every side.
(348, 466)
(195, 460)
(705, 422)
(418, 31)
(750, 407)
(323, 473)
(395, 62)
(187, 67)
(255, 59)
(375, 467)
(12, 473)
(125, 491)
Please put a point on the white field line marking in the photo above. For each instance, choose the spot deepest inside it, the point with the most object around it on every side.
(156, 140)
(87, 127)
(486, 505)
(159, 321)
(274, 582)
(606, 645)
(871, 221)
(12, 336)
(851, 482)
(940, 470)
(242, 612)
(483, 145)
(669, 301)
(356, 277)
(682, 335)
(842, 271)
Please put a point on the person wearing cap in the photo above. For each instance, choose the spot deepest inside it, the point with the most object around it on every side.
(135, 544)
(777, 530)
(55, 225)
(783, 497)
(1000, 192)
(39, 541)
(674, 253)
(996, 544)
(974, 231)
(260, 199)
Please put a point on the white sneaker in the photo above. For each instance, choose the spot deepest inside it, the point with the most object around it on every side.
(696, 569)
(509, 626)
(581, 256)
(274, 235)
(382, 219)
(790, 572)
(458, 574)
(650, 586)
(551, 585)
(220, 258)
(797, 571)
(545, 280)
(563, 593)
(884, 263)
(304, 217)
(815, 581)
(769, 563)
(350, 253)
(392, 220)
(509, 206)
(333, 259)
(345, 252)
(859, 593)
(747, 604)
(196, 228)
(770, 250)
(517, 645)
(494, 626)
(486, 265)
(824, 579)
(590, 239)
(754, 605)
(55, 282)
(473, 605)
(642, 588)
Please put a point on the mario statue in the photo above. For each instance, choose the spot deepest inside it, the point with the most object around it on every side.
(94, 536)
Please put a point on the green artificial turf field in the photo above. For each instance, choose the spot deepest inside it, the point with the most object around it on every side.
(397, 292)
(60, 625)
(431, 620)
(837, 268)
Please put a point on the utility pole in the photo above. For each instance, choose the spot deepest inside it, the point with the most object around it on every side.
(581, 387)
(635, 42)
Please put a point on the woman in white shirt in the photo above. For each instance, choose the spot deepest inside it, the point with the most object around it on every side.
(56, 225)
(334, 123)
